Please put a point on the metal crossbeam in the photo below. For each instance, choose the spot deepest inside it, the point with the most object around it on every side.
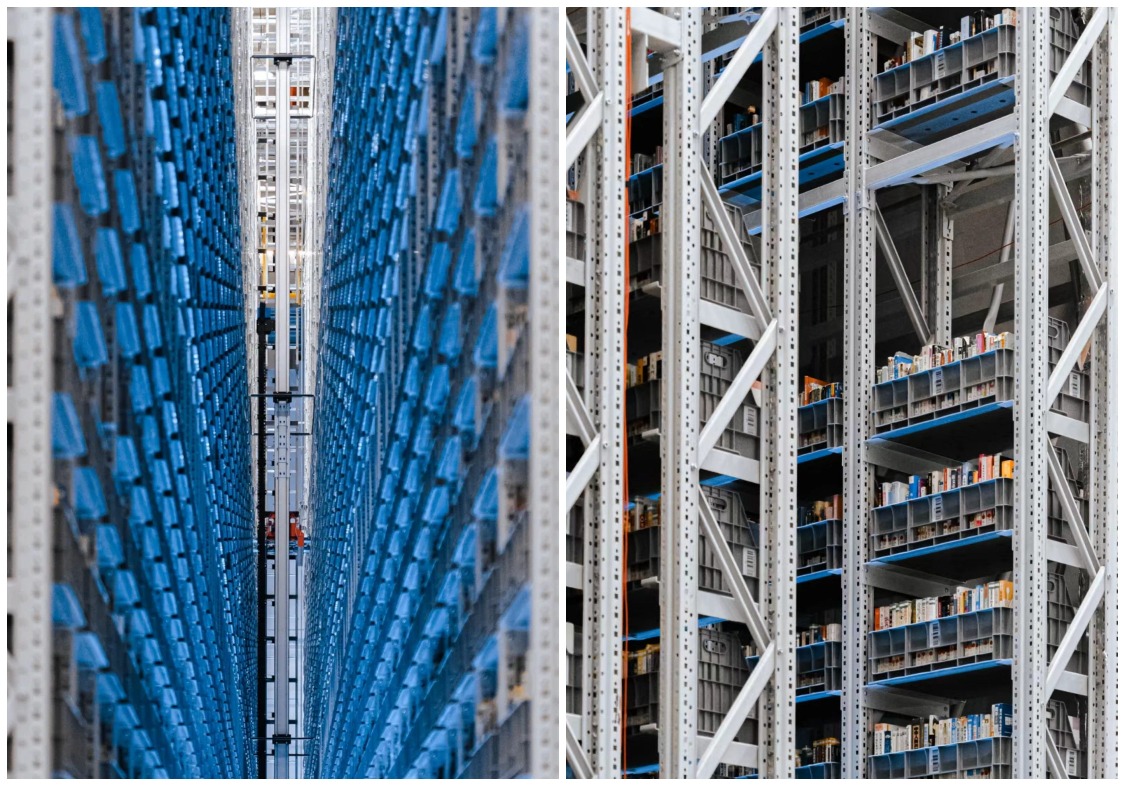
(902, 168)
(577, 412)
(1078, 340)
(734, 70)
(898, 273)
(582, 129)
(1071, 512)
(750, 285)
(660, 28)
(1074, 633)
(737, 714)
(579, 478)
(732, 576)
(1076, 58)
(579, 64)
(739, 388)
(575, 756)
(1073, 223)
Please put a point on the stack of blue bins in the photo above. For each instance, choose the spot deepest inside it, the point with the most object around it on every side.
(423, 383)
(151, 425)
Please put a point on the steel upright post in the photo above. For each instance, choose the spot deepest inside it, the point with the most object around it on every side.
(679, 531)
(859, 360)
(780, 245)
(605, 300)
(30, 36)
(1031, 269)
(1104, 643)
(543, 316)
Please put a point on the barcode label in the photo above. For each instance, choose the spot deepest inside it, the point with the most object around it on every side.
(939, 63)
(1075, 389)
(934, 762)
(935, 633)
(750, 420)
(935, 508)
(1072, 763)
(939, 381)
(750, 562)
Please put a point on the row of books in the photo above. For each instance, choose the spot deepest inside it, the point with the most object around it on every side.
(815, 390)
(985, 467)
(903, 364)
(647, 368)
(644, 224)
(821, 510)
(926, 43)
(933, 731)
(822, 751)
(644, 514)
(819, 88)
(815, 634)
(643, 161)
(646, 660)
(991, 595)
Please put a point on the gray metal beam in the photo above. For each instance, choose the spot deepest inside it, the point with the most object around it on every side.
(31, 147)
(1031, 261)
(679, 453)
(901, 279)
(858, 360)
(780, 247)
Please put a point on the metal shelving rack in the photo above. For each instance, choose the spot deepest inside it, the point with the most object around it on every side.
(893, 185)
(432, 600)
(131, 564)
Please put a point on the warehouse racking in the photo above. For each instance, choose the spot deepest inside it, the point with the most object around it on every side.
(437, 655)
(992, 156)
(132, 547)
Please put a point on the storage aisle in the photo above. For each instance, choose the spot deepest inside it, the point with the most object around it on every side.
(371, 358)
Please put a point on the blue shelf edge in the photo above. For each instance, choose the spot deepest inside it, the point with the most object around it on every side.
(817, 455)
(939, 547)
(820, 575)
(931, 675)
(898, 433)
(824, 694)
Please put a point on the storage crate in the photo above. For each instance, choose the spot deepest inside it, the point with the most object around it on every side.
(942, 517)
(717, 280)
(575, 230)
(990, 757)
(575, 534)
(1057, 525)
(820, 122)
(819, 668)
(1066, 723)
(985, 57)
(740, 532)
(940, 644)
(574, 673)
(812, 18)
(955, 387)
(722, 673)
(820, 425)
(718, 367)
(820, 546)
(1061, 602)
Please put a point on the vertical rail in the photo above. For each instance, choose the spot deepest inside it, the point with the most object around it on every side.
(1103, 711)
(29, 209)
(281, 411)
(679, 531)
(1030, 514)
(780, 245)
(859, 360)
(544, 378)
(605, 375)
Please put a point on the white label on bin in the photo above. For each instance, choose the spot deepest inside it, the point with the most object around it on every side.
(935, 508)
(750, 420)
(935, 633)
(939, 64)
(1072, 763)
(938, 381)
(934, 764)
(1075, 729)
(1075, 389)
(750, 562)
(714, 359)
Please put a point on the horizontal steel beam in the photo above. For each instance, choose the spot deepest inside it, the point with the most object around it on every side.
(967, 143)
(660, 28)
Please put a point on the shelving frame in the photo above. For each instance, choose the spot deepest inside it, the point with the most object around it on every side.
(874, 161)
